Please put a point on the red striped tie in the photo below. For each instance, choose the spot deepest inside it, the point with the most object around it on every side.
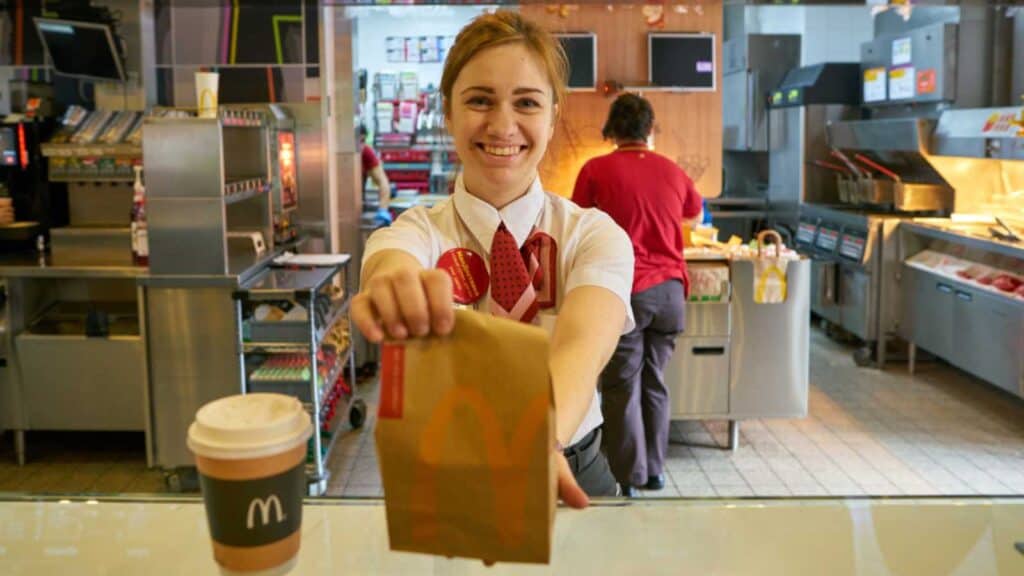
(512, 291)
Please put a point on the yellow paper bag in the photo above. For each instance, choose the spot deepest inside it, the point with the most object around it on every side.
(464, 438)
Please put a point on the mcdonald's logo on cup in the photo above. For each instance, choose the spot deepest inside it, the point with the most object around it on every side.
(206, 94)
(264, 506)
(467, 460)
(251, 454)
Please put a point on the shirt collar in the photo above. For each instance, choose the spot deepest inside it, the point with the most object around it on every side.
(482, 219)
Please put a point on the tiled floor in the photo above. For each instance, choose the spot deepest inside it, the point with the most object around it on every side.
(64, 462)
(868, 433)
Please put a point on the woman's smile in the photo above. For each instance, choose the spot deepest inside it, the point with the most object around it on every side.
(502, 117)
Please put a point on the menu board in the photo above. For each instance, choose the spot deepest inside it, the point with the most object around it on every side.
(827, 239)
(852, 247)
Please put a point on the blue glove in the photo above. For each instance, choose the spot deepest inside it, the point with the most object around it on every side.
(383, 217)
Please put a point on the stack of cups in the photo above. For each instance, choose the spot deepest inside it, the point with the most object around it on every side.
(251, 453)
(206, 94)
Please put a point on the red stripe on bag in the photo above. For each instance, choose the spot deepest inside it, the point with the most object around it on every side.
(392, 380)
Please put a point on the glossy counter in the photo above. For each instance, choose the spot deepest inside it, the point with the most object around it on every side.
(764, 537)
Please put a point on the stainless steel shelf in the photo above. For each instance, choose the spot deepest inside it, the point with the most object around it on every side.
(332, 320)
(92, 179)
(939, 232)
(258, 188)
(69, 150)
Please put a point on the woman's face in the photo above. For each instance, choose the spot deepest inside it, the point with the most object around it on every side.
(501, 118)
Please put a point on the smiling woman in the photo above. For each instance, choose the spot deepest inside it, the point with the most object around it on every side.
(503, 84)
(549, 262)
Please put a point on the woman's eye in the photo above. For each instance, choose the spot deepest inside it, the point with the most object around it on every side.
(478, 101)
(528, 103)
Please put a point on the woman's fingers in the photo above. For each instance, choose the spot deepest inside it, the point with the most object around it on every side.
(382, 294)
(438, 287)
(412, 302)
(365, 319)
(405, 303)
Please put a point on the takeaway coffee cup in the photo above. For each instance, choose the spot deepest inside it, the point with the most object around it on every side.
(251, 453)
(206, 94)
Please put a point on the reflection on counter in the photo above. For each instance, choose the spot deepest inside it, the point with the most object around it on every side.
(850, 537)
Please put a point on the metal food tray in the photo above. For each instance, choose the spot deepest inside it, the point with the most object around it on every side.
(297, 388)
(280, 331)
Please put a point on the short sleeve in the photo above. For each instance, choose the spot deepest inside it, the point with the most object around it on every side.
(369, 159)
(583, 193)
(692, 201)
(409, 233)
(604, 257)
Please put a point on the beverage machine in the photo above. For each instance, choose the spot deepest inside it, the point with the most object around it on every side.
(29, 204)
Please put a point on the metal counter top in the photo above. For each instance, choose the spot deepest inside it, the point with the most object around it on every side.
(29, 265)
(970, 235)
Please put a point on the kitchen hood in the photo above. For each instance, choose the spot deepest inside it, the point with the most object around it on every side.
(996, 133)
(901, 144)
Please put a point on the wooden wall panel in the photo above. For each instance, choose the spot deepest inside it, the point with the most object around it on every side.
(688, 126)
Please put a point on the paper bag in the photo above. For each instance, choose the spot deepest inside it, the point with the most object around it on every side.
(770, 280)
(464, 434)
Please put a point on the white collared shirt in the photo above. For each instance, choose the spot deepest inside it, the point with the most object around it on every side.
(592, 249)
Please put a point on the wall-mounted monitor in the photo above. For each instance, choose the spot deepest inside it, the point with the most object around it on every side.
(681, 61)
(81, 49)
(581, 51)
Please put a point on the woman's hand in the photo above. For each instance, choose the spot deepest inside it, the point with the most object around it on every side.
(403, 302)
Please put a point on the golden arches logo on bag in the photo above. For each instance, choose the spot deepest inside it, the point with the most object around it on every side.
(500, 453)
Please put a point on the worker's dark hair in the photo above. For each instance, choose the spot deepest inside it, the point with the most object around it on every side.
(630, 118)
(362, 131)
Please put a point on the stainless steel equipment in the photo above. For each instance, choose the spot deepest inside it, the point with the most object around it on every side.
(926, 64)
(801, 106)
(194, 352)
(739, 359)
(897, 149)
(770, 361)
(327, 392)
(75, 355)
(295, 144)
(980, 133)
(972, 327)
(698, 371)
(854, 272)
(754, 64)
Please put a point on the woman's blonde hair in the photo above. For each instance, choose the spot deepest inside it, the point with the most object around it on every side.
(496, 29)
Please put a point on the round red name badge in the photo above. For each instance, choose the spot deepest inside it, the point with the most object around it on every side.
(468, 272)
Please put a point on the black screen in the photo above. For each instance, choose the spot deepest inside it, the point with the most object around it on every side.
(580, 51)
(8, 147)
(682, 61)
(80, 49)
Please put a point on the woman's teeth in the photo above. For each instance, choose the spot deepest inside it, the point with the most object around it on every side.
(502, 150)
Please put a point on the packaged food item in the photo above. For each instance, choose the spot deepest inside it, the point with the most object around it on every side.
(465, 440)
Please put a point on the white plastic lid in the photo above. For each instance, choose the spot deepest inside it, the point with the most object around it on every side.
(249, 426)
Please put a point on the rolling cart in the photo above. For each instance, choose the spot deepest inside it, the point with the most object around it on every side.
(295, 340)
